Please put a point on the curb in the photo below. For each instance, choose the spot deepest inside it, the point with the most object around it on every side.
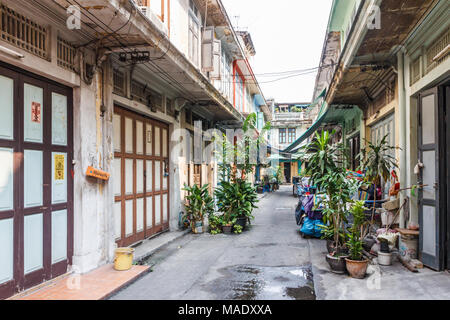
(145, 256)
(126, 285)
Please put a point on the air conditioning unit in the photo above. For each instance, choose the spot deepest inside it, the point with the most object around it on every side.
(154, 18)
(144, 10)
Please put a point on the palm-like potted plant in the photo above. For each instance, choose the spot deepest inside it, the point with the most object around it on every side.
(356, 263)
(377, 162)
(198, 204)
(236, 197)
(328, 175)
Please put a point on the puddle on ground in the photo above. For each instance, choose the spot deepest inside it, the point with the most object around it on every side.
(245, 282)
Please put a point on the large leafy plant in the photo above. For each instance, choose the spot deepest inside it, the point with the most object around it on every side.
(242, 153)
(236, 200)
(355, 242)
(326, 172)
(198, 203)
(377, 162)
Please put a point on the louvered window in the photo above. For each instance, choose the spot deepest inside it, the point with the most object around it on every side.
(66, 55)
(21, 32)
(414, 71)
(438, 52)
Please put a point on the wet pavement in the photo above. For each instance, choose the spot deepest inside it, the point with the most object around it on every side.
(264, 283)
(269, 262)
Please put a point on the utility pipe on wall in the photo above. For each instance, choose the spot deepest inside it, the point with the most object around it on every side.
(402, 130)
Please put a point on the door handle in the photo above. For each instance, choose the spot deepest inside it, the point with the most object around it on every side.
(436, 185)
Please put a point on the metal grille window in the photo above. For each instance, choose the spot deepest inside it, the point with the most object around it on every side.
(170, 107)
(282, 136)
(380, 101)
(23, 33)
(438, 52)
(156, 99)
(66, 55)
(414, 71)
(138, 91)
(119, 82)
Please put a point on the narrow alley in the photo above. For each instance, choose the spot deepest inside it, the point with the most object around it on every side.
(224, 150)
(269, 262)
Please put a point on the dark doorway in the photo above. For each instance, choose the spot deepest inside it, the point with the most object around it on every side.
(354, 149)
(287, 172)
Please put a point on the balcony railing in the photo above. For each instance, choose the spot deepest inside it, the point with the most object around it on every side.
(290, 116)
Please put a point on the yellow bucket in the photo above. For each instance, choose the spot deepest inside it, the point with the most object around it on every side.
(123, 259)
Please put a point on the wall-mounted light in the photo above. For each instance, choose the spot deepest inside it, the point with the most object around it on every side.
(10, 52)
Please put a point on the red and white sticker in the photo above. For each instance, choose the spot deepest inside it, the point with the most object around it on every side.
(36, 112)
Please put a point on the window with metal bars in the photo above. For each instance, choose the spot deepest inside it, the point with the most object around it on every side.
(23, 33)
(414, 71)
(438, 52)
(119, 82)
(138, 91)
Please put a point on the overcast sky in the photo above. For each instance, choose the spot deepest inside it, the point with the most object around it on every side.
(288, 35)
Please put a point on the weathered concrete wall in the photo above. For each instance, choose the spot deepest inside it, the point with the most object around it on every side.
(179, 25)
(93, 219)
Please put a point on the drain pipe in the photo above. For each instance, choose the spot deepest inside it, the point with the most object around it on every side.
(402, 128)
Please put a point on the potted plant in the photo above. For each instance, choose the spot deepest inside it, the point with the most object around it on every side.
(246, 199)
(376, 163)
(356, 263)
(198, 204)
(215, 223)
(328, 235)
(236, 197)
(236, 201)
(227, 226)
(328, 175)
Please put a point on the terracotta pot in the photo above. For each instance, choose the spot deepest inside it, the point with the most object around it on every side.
(337, 264)
(357, 269)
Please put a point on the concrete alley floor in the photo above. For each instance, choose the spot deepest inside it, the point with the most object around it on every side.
(271, 262)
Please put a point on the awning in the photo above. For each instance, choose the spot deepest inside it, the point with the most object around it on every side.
(320, 118)
(277, 157)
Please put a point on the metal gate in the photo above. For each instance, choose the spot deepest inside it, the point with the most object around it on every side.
(141, 177)
(36, 183)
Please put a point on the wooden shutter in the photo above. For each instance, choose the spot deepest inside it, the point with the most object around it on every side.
(208, 50)
(217, 60)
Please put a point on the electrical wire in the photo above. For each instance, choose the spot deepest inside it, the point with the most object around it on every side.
(124, 47)
(175, 83)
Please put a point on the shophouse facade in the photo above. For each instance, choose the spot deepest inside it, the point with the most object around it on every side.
(387, 76)
(90, 145)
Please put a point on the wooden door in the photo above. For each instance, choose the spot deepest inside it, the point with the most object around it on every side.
(141, 181)
(36, 182)
(430, 218)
